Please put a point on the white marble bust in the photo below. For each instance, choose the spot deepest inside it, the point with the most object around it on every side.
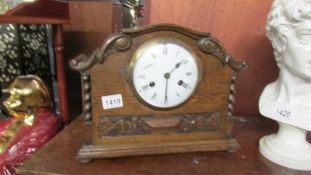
(288, 99)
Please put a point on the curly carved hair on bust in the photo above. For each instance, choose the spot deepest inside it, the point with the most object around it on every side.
(284, 16)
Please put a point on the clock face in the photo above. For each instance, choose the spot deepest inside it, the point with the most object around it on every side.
(164, 73)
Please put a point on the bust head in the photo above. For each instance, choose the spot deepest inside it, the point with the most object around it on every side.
(27, 94)
(289, 29)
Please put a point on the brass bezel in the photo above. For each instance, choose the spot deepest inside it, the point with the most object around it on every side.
(155, 41)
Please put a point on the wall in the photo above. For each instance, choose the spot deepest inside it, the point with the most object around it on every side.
(240, 25)
(90, 24)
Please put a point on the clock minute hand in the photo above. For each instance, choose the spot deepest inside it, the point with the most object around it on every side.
(166, 99)
(167, 76)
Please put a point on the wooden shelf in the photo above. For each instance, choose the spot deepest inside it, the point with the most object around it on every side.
(38, 12)
(246, 161)
(31, 20)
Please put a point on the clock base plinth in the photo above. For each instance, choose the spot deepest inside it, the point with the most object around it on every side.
(88, 152)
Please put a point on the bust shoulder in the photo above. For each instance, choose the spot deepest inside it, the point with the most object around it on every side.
(276, 104)
(273, 92)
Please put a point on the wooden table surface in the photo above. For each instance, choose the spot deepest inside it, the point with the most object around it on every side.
(58, 156)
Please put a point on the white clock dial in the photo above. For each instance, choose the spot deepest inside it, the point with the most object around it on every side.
(164, 73)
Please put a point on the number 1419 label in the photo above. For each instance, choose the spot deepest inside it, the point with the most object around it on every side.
(112, 101)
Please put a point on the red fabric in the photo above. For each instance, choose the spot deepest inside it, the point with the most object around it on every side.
(28, 140)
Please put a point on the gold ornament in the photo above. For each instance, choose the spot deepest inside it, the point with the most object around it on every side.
(27, 94)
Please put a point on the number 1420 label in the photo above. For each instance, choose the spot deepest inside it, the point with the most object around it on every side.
(112, 101)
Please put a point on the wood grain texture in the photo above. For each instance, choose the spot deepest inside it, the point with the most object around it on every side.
(90, 23)
(110, 73)
(38, 12)
(41, 8)
(126, 150)
(90, 16)
(240, 25)
(246, 161)
(31, 20)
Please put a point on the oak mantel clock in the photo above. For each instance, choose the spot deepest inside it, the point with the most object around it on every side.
(156, 90)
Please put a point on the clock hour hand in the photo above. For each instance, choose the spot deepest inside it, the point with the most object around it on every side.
(176, 66)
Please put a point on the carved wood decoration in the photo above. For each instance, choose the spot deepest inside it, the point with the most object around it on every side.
(202, 123)
(144, 125)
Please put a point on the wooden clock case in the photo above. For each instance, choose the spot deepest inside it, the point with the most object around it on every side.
(203, 123)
